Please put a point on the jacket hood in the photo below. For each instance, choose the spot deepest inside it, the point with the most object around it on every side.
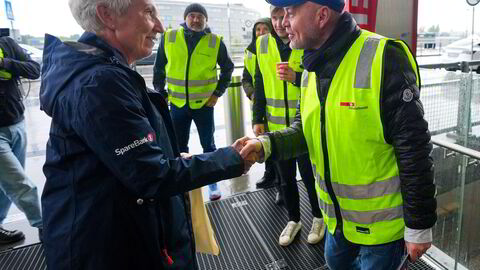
(264, 20)
(252, 46)
(63, 61)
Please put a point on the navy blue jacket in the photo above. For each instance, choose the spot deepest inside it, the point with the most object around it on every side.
(192, 38)
(114, 195)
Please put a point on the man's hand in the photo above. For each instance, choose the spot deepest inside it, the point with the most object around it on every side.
(258, 129)
(416, 250)
(286, 73)
(211, 101)
(239, 145)
(252, 150)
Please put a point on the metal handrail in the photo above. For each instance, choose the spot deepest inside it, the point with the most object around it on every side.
(457, 148)
(450, 65)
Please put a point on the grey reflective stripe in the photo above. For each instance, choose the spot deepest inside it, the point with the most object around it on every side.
(200, 95)
(173, 36)
(177, 95)
(178, 82)
(362, 217)
(359, 192)
(354, 3)
(264, 44)
(249, 54)
(213, 41)
(175, 81)
(202, 82)
(305, 79)
(370, 217)
(191, 96)
(279, 120)
(363, 73)
(328, 209)
(365, 4)
(280, 103)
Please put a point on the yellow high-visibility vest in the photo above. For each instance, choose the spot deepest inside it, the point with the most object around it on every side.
(346, 132)
(4, 75)
(194, 76)
(282, 97)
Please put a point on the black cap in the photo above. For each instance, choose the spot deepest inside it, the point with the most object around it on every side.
(195, 7)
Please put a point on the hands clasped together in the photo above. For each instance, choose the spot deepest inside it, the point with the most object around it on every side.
(250, 149)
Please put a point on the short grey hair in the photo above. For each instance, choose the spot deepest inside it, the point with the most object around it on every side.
(85, 12)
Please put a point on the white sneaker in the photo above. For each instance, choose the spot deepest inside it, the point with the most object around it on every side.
(317, 232)
(289, 233)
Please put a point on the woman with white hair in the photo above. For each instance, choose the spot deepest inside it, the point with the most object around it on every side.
(114, 195)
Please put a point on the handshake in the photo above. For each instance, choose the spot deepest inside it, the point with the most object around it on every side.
(250, 149)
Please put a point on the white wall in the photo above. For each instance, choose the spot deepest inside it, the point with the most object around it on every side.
(395, 19)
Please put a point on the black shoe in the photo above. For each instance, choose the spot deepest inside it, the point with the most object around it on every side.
(278, 199)
(8, 237)
(265, 182)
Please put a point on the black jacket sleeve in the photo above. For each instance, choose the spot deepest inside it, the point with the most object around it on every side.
(159, 73)
(18, 62)
(298, 79)
(290, 142)
(406, 129)
(226, 70)
(260, 102)
(247, 83)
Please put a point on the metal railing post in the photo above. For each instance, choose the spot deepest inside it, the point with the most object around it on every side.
(234, 126)
(464, 103)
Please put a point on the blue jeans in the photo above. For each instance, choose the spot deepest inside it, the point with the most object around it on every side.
(15, 186)
(341, 254)
(204, 121)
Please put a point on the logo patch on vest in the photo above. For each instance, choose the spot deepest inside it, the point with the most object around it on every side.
(352, 106)
(407, 95)
(363, 230)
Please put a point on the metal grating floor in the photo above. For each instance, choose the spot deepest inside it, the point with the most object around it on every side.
(247, 228)
(25, 258)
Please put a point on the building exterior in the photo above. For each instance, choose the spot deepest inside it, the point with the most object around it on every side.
(236, 30)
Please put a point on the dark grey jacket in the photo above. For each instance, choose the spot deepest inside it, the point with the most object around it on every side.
(19, 64)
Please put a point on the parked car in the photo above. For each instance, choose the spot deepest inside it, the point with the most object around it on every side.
(149, 60)
(35, 54)
(461, 50)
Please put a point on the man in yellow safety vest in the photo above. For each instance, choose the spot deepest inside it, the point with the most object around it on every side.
(186, 63)
(277, 92)
(361, 120)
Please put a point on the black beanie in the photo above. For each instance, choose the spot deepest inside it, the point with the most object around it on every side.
(195, 8)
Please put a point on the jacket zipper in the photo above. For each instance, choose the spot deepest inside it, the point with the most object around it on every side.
(326, 161)
(186, 77)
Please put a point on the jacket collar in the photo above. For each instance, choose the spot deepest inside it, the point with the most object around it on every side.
(96, 41)
(190, 32)
(346, 31)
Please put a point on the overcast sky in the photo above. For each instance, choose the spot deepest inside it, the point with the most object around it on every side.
(35, 17)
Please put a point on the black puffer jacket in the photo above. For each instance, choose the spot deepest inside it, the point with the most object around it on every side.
(403, 122)
(19, 64)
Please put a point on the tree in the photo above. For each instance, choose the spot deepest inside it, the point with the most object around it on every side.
(434, 29)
